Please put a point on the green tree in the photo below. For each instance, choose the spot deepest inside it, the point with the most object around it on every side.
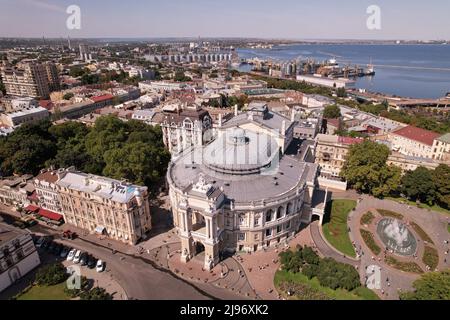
(27, 149)
(366, 171)
(77, 72)
(95, 294)
(419, 185)
(441, 179)
(341, 93)
(68, 96)
(138, 162)
(331, 112)
(51, 274)
(430, 286)
(181, 77)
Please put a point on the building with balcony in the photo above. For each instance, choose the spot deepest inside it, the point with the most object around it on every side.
(240, 192)
(105, 206)
(32, 79)
(183, 126)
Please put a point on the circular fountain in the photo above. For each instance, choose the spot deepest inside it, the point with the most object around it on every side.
(396, 236)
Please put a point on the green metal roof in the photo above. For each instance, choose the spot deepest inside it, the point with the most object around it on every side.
(445, 138)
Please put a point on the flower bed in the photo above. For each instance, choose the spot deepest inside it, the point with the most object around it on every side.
(403, 266)
(423, 235)
(389, 213)
(370, 241)
(367, 218)
(430, 257)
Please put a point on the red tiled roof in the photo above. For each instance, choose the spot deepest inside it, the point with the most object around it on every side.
(47, 104)
(32, 208)
(349, 140)
(51, 215)
(102, 98)
(334, 122)
(48, 176)
(418, 134)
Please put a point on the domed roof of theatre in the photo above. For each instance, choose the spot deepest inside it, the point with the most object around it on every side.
(240, 152)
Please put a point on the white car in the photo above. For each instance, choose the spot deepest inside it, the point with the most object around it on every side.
(71, 254)
(77, 257)
(100, 266)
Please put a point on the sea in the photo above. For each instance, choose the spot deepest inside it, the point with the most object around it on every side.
(407, 70)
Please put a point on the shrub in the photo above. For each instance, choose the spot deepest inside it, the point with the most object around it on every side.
(367, 218)
(389, 213)
(430, 257)
(403, 266)
(96, 294)
(370, 241)
(422, 234)
(51, 274)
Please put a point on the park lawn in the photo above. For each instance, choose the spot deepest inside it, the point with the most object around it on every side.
(360, 293)
(448, 228)
(422, 205)
(335, 229)
(55, 292)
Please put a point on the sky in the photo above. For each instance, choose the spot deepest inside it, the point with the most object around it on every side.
(284, 19)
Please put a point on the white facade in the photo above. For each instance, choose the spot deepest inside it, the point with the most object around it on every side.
(13, 119)
(18, 256)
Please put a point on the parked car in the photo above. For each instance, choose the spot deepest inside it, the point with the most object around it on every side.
(100, 266)
(64, 252)
(31, 222)
(19, 224)
(77, 257)
(84, 258)
(39, 241)
(71, 254)
(51, 246)
(67, 234)
(47, 243)
(92, 262)
(57, 249)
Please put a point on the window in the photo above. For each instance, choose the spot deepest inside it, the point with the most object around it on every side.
(269, 215)
(241, 236)
(242, 219)
(288, 225)
(279, 212)
(268, 232)
(279, 229)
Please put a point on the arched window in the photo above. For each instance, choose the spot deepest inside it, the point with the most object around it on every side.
(289, 208)
(279, 212)
(187, 123)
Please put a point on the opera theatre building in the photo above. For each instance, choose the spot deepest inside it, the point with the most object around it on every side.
(242, 191)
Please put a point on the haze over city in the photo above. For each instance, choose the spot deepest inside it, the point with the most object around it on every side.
(323, 19)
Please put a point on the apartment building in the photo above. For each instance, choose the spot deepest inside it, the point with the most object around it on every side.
(47, 190)
(441, 148)
(102, 205)
(18, 255)
(413, 141)
(14, 191)
(31, 79)
(331, 152)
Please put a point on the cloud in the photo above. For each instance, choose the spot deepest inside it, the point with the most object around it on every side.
(44, 5)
